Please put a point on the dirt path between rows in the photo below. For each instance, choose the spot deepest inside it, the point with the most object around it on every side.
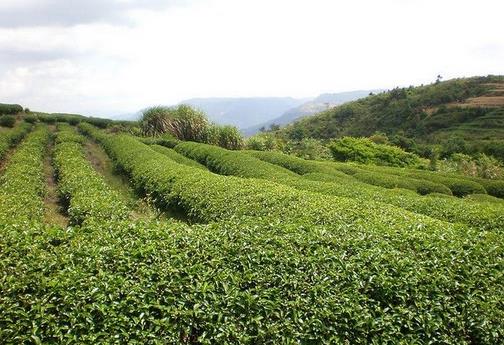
(142, 208)
(54, 211)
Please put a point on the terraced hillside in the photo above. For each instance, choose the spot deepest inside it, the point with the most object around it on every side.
(107, 239)
(470, 108)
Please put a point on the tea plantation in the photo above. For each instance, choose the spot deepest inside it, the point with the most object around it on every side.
(238, 247)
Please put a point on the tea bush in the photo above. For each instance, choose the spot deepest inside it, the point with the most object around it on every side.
(7, 121)
(22, 183)
(280, 266)
(11, 137)
(81, 187)
(449, 209)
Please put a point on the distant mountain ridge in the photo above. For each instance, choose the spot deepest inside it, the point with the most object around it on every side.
(244, 112)
(311, 107)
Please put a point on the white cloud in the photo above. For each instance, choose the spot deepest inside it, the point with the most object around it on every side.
(248, 48)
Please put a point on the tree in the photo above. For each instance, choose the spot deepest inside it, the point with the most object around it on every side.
(274, 127)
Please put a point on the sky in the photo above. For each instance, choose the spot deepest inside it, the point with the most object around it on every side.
(112, 57)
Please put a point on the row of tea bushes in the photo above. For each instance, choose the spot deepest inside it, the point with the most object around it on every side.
(320, 179)
(458, 185)
(84, 191)
(11, 137)
(177, 157)
(208, 197)
(22, 183)
(251, 281)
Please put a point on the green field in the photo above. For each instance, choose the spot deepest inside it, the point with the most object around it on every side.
(193, 243)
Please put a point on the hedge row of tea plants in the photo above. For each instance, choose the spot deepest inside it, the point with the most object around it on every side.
(236, 163)
(11, 137)
(166, 140)
(208, 197)
(449, 209)
(81, 188)
(459, 186)
(250, 281)
(422, 187)
(177, 157)
(22, 183)
(227, 162)
(260, 280)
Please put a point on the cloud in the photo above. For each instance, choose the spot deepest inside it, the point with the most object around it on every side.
(29, 13)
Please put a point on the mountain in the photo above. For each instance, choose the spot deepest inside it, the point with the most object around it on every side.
(469, 108)
(311, 107)
(243, 112)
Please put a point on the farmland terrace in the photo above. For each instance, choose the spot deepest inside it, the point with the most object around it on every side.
(107, 239)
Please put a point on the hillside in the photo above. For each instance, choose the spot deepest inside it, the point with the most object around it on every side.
(470, 108)
(243, 112)
(316, 105)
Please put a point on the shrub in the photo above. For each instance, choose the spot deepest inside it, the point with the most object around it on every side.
(363, 150)
(308, 148)
(451, 209)
(495, 188)
(10, 109)
(177, 157)
(7, 121)
(88, 196)
(230, 138)
(23, 184)
(393, 181)
(11, 137)
(31, 118)
(264, 142)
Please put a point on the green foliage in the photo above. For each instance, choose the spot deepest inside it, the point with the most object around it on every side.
(453, 145)
(183, 122)
(405, 110)
(72, 119)
(230, 138)
(85, 192)
(448, 208)
(379, 138)
(22, 183)
(281, 265)
(175, 156)
(11, 137)
(10, 109)
(363, 150)
(495, 188)
(7, 121)
(188, 124)
(459, 185)
(393, 181)
(308, 148)
(31, 118)
(250, 281)
(263, 142)
(480, 165)
(224, 197)
(166, 140)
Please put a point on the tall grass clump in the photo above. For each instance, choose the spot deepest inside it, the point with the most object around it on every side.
(188, 124)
